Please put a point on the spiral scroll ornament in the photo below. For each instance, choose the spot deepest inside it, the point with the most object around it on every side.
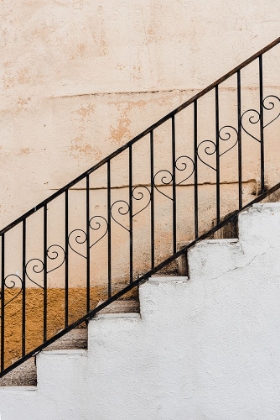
(78, 237)
(249, 118)
(271, 103)
(141, 196)
(183, 164)
(163, 178)
(252, 117)
(36, 266)
(208, 148)
(227, 134)
(12, 282)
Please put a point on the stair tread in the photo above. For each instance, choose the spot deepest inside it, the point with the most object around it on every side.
(75, 339)
(23, 375)
(120, 307)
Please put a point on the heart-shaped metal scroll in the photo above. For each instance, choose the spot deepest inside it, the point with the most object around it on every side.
(251, 116)
(165, 177)
(98, 224)
(122, 208)
(181, 164)
(37, 266)
(269, 104)
(209, 149)
(227, 133)
(16, 283)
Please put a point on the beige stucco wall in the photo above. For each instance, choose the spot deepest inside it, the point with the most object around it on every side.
(79, 78)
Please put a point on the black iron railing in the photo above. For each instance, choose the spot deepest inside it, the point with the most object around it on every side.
(105, 235)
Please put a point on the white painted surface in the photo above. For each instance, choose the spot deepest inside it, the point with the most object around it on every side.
(203, 349)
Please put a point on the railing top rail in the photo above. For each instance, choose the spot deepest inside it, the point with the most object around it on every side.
(141, 135)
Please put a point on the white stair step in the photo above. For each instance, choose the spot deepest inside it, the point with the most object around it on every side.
(211, 258)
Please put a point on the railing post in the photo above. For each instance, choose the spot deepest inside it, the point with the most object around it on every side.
(174, 185)
(217, 154)
(45, 290)
(261, 124)
(23, 286)
(239, 140)
(152, 200)
(3, 302)
(195, 173)
(130, 182)
(109, 227)
(88, 244)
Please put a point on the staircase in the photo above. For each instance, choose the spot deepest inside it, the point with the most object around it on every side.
(69, 295)
(203, 347)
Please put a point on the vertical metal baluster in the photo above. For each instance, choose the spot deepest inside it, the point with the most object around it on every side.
(174, 186)
(218, 199)
(3, 302)
(195, 173)
(152, 200)
(130, 215)
(23, 286)
(88, 242)
(239, 139)
(66, 307)
(45, 306)
(261, 123)
(109, 227)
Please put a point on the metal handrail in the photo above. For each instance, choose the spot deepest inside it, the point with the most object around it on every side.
(136, 192)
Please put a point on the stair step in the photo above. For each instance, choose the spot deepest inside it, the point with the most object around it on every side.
(23, 375)
(26, 374)
(120, 307)
(168, 279)
(75, 339)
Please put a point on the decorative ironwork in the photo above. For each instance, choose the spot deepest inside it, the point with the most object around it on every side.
(225, 134)
(181, 164)
(253, 117)
(96, 223)
(12, 281)
(184, 170)
(37, 266)
(166, 178)
(122, 207)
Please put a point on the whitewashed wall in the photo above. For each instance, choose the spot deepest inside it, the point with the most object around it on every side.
(206, 348)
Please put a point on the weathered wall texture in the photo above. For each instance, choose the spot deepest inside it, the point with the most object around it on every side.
(79, 78)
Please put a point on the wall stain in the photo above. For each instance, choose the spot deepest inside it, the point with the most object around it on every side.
(79, 148)
(85, 111)
(137, 72)
(121, 132)
(22, 77)
(24, 151)
(23, 103)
